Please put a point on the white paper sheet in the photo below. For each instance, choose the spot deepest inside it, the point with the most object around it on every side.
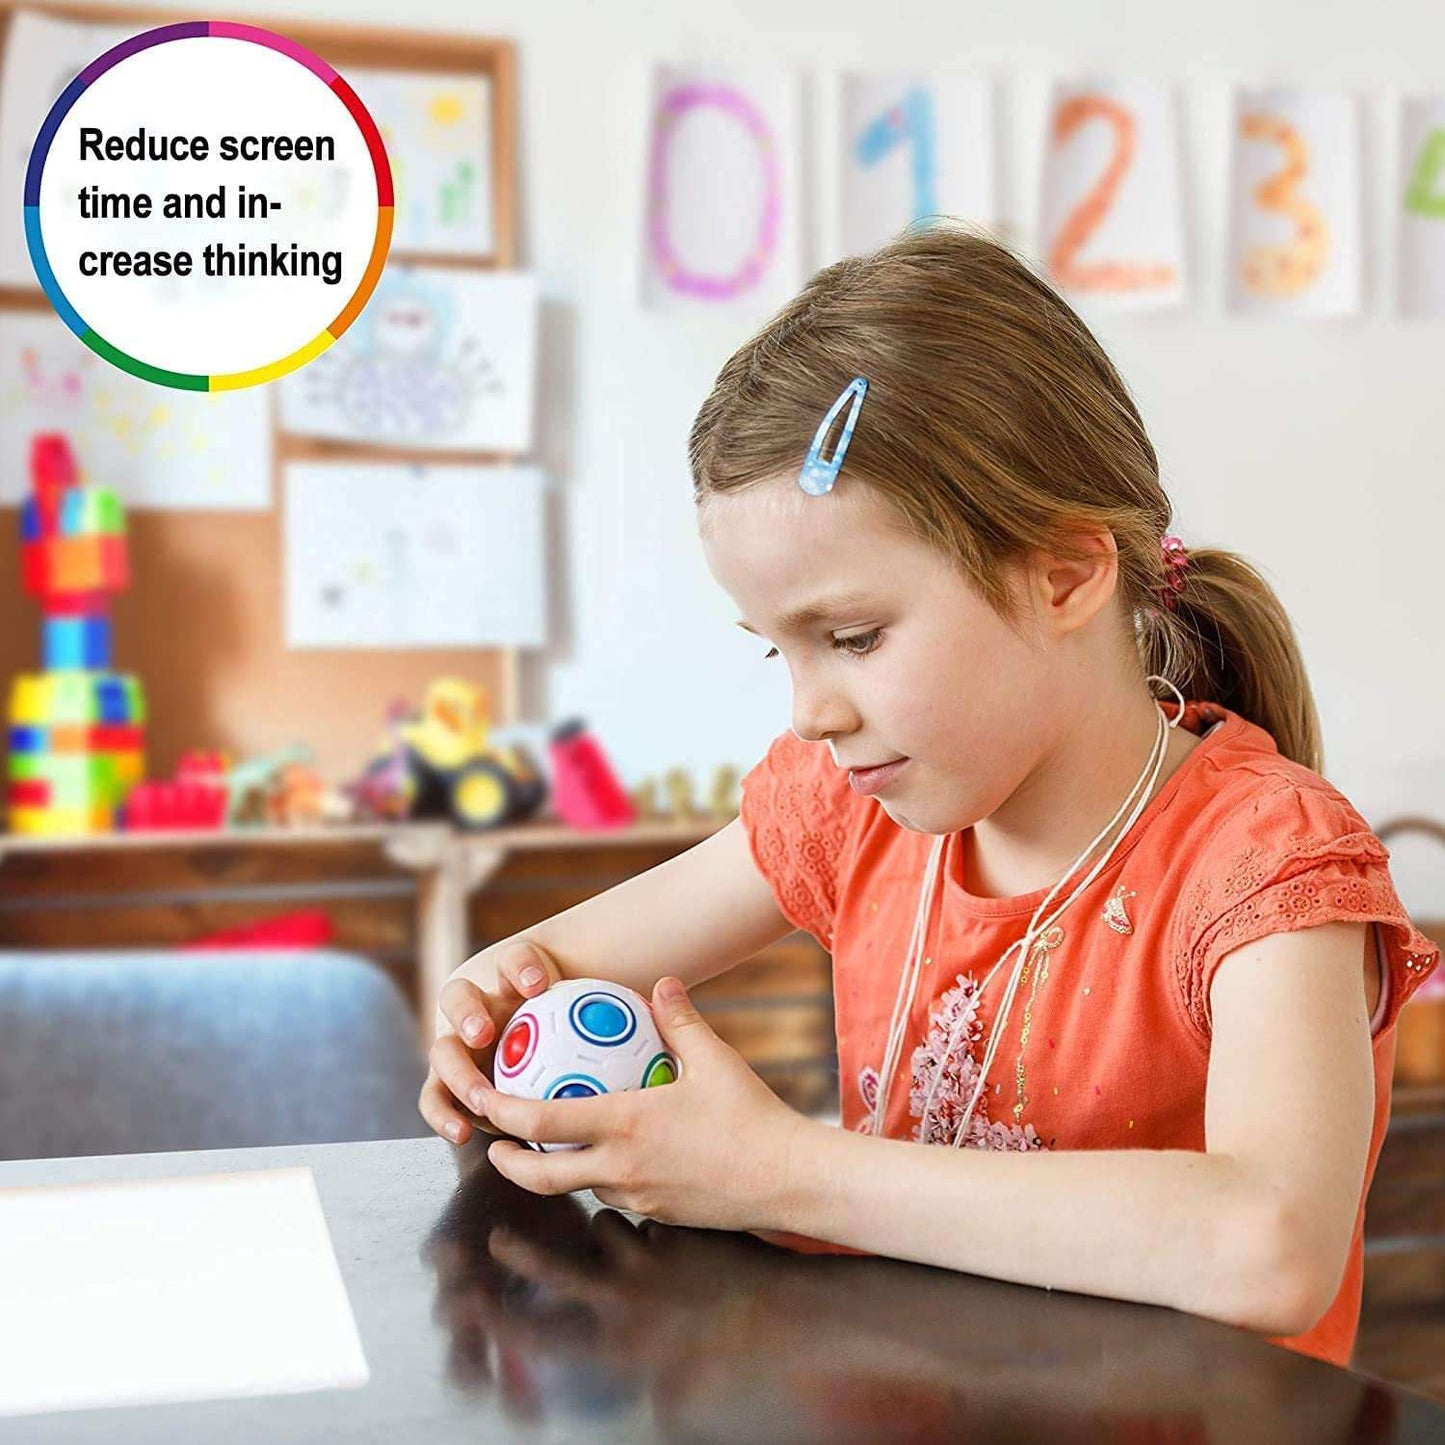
(437, 130)
(408, 556)
(1422, 206)
(157, 446)
(1111, 221)
(166, 1290)
(1294, 223)
(440, 359)
(42, 57)
(720, 221)
(913, 145)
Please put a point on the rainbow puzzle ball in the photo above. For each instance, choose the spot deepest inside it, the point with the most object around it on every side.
(581, 1038)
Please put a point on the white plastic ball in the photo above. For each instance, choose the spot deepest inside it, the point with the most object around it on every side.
(581, 1038)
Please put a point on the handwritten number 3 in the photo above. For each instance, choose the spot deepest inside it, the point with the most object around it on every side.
(1288, 269)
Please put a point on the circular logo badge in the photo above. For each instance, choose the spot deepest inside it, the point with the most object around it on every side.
(208, 205)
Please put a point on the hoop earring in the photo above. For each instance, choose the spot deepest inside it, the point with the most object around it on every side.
(1178, 717)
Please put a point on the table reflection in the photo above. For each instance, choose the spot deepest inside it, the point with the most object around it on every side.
(566, 1314)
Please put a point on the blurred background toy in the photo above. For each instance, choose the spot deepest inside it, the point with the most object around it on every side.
(679, 795)
(585, 790)
(305, 928)
(440, 763)
(196, 797)
(644, 798)
(77, 729)
(297, 797)
(209, 790)
(386, 790)
(723, 800)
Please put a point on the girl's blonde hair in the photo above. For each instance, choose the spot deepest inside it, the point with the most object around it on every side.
(995, 424)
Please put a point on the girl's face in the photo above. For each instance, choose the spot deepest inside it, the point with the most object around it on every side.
(892, 654)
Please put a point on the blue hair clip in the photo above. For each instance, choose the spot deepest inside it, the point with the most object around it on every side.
(818, 475)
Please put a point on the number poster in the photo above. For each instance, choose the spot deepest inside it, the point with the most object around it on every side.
(1111, 224)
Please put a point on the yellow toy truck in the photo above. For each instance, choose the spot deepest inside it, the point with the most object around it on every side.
(441, 765)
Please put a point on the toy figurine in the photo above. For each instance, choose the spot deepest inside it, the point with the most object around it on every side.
(644, 798)
(679, 794)
(297, 797)
(724, 800)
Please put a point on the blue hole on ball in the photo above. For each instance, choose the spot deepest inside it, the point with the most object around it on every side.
(575, 1091)
(600, 1018)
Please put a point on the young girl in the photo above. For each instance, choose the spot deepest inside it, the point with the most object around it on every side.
(1116, 970)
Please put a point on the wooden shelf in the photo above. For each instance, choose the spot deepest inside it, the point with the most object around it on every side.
(540, 834)
(551, 834)
(441, 869)
(19, 844)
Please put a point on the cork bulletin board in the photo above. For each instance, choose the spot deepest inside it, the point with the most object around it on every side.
(202, 623)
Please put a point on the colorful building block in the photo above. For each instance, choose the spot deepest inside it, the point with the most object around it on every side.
(75, 642)
(77, 729)
(30, 528)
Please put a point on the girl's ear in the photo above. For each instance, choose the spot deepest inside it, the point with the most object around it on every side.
(1070, 592)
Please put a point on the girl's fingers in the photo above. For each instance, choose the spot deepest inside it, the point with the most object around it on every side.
(452, 1063)
(556, 1121)
(465, 1008)
(557, 1172)
(439, 1110)
(528, 967)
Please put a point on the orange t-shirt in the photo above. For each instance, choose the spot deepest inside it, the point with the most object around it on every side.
(1239, 843)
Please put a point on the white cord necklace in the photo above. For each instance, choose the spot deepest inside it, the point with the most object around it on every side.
(1134, 804)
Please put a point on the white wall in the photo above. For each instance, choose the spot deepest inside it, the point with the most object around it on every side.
(1315, 448)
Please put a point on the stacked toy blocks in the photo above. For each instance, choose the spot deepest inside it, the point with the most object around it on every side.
(77, 729)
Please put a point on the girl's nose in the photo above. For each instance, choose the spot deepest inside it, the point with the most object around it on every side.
(819, 714)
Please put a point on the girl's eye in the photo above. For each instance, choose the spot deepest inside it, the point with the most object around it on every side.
(859, 644)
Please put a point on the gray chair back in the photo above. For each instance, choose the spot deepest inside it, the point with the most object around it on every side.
(128, 1052)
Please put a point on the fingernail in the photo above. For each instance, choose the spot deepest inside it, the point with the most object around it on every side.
(479, 1100)
(531, 976)
(454, 1132)
(474, 1027)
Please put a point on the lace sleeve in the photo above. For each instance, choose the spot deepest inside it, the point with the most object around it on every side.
(795, 811)
(1296, 858)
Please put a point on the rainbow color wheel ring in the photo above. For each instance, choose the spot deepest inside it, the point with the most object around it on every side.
(295, 355)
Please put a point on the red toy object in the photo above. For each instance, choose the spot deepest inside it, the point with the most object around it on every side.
(196, 799)
(585, 790)
(165, 807)
(306, 929)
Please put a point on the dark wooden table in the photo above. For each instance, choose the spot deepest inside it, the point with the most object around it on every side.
(490, 1314)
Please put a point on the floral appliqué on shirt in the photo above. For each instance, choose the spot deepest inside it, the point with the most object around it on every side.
(956, 1009)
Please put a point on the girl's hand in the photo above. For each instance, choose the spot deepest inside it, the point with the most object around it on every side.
(470, 1020)
(710, 1150)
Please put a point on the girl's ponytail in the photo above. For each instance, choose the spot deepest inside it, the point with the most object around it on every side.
(1228, 639)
